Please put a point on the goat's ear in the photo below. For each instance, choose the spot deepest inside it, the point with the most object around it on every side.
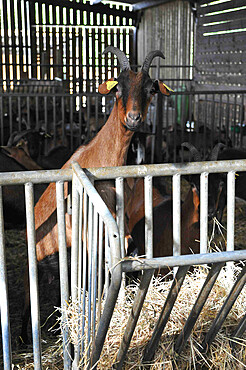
(107, 86)
(164, 89)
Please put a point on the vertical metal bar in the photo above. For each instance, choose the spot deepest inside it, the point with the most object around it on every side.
(75, 240)
(90, 268)
(80, 272)
(225, 309)
(5, 324)
(148, 202)
(133, 318)
(120, 212)
(239, 330)
(196, 309)
(176, 215)
(165, 313)
(230, 210)
(1, 122)
(107, 262)
(100, 267)
(203, 212)
(241, 120)
(84, 277)
(63, 268)
(94, 272)
(33, 275)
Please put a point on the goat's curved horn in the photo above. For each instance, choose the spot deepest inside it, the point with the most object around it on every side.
(148, 60)
(124, 62)
(193, 150)
(215, 151)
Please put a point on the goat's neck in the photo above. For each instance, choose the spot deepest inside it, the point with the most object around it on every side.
(109, 147)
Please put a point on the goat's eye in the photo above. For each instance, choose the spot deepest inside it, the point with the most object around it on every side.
(152, 91)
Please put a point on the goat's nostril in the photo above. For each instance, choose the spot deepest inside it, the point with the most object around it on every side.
(134, 116)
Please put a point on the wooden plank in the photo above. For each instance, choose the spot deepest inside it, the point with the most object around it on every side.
(41, 40)
(224, 27)
(6, 41)
(74, 39)
(98, 8)
(235, 38)
(235, 15)
(212, 78)
(47, 54)
(213, 7)
(219, 69)
(53, 50)
(225, 57)
(12, 20)
(26, 38)
(81, 41)
(220, 47)
(33, 42)
(20, 33)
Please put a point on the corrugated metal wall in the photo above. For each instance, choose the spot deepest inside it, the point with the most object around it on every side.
(170, 28)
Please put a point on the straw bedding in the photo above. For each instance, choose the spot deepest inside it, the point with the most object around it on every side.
(219, 356)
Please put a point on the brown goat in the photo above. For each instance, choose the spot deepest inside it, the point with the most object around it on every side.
(163, 221)
(109, 147)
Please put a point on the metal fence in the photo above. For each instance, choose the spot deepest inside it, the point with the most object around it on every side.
(92, 220)
(201, 118)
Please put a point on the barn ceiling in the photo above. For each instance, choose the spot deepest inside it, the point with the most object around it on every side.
(137, 4)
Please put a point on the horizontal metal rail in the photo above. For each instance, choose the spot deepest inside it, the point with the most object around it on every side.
(135, 264)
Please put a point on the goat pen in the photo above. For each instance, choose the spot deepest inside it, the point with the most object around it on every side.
(114, 249)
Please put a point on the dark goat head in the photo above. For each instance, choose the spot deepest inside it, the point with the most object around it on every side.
(134, 91)
(215, 181)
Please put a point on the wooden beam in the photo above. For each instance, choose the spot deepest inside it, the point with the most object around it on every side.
(147, 4)
(97, 8)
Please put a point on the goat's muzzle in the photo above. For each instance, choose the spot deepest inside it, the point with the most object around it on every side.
(133, 121)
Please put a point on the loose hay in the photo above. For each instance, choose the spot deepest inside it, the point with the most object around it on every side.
(220, 354)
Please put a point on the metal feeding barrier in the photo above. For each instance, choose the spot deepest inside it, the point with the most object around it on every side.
(98, 240)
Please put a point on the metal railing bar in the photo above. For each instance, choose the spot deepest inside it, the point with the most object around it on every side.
(120, 212)
(241, 328)
(165, 313)
(90, 272)
(77, 350)
(35, 177)
(100, 267)
(95, 271)
(204, 212)
(63, 268)
(197, 307)
(85, 264)
(133, 317)
(148, 206)
(75, 239)
(33, 275)
(107, 262)
(103, 326)
(166, 169)
(230, 210)
(75, 251)
(130, 264)
(4, 311)
(177, 212)
(225, 309)
(107, 173)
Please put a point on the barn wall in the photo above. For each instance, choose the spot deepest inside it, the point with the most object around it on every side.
(170, 28)
(221, 45)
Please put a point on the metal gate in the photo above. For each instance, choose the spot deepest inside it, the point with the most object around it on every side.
(92, 220)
